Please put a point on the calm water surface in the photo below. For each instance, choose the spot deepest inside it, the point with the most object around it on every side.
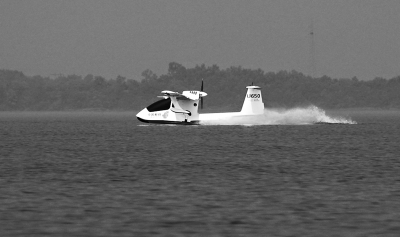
(105, 174)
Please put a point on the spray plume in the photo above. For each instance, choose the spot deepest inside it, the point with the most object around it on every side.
(295, 116)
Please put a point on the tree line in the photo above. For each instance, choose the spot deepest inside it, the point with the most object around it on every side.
(225, 88)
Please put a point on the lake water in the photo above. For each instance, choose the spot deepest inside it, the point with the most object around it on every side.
(106, 174)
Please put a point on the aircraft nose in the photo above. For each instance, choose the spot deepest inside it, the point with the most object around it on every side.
(142, 114)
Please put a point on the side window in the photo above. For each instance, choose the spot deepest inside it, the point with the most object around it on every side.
(159, 105)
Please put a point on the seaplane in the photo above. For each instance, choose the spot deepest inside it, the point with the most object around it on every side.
(183, 108)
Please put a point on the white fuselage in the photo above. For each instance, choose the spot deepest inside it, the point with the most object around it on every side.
(184, 110)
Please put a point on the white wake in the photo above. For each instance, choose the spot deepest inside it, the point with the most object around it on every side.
(295, 116)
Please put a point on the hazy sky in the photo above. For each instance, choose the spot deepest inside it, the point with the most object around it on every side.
(124, 37)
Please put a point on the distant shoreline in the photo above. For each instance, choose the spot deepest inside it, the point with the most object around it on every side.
(361, 109)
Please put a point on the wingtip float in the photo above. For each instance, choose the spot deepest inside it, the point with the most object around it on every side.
(182, 108)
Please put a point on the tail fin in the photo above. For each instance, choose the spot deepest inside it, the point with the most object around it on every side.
(253, 103)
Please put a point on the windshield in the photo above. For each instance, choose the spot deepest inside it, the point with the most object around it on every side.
(163, 104)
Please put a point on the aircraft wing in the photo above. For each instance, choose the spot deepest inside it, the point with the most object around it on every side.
(175, 94)
(170, 93)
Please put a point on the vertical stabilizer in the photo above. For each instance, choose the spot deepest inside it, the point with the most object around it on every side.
(253, 103)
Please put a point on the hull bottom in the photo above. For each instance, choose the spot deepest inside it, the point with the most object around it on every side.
(168, 122)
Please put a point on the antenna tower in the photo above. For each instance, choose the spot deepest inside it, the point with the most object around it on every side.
(312, 63)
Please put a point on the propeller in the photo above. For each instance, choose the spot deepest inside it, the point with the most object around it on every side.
(201, 98)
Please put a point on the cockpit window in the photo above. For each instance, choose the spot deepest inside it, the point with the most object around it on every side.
(159, 105)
